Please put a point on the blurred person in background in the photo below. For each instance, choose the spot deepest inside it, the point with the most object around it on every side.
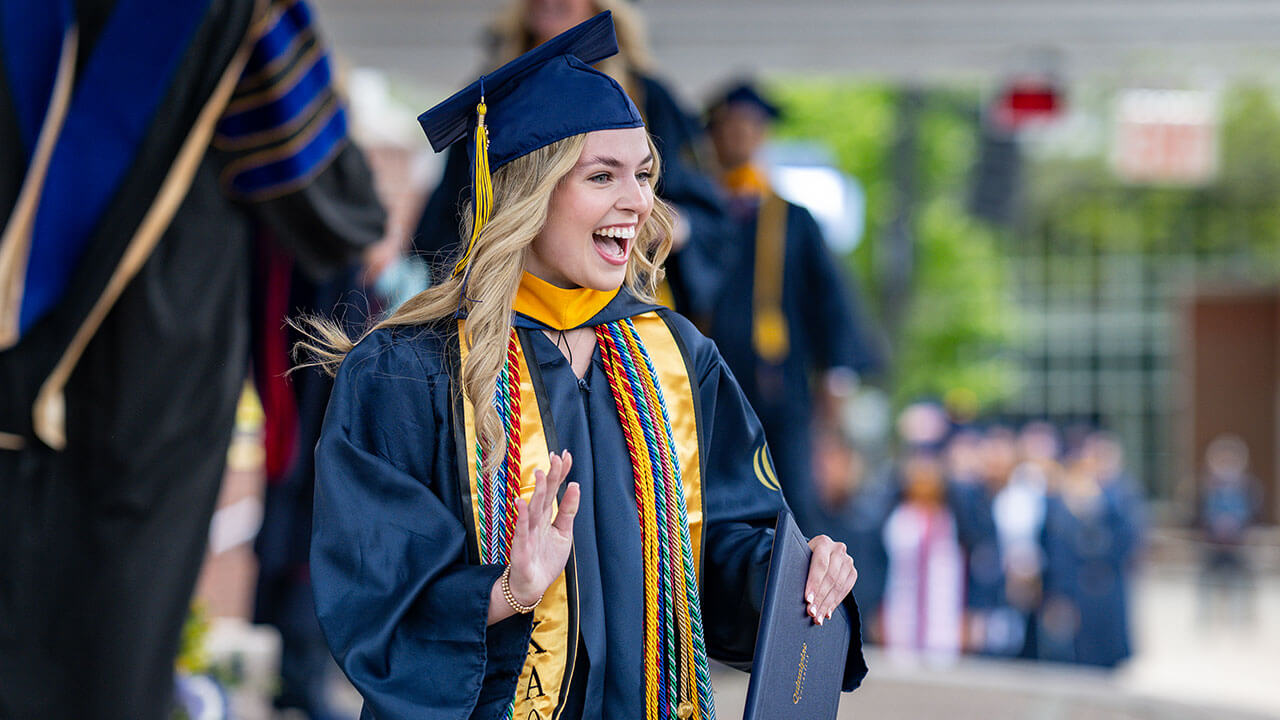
(293, 409)
(924, 596)
(1229, 502)
(1105, 456)
(1004, 631)
(852, 506)
(973, 502)
(1090, 539)
(141, 142)
(1019, 511)
(786, 325)
(692, 268)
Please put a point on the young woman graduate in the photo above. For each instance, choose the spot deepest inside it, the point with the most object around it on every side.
(457, 574)
(692, 266)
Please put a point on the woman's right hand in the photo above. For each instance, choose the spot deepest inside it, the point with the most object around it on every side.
(541, 541)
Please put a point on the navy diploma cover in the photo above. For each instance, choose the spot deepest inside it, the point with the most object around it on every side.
(798, 665)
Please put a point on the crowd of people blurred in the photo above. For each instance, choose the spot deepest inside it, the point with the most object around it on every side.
(988, 539)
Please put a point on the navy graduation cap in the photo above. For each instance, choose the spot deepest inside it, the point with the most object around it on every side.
(545, 95)
(745, 93)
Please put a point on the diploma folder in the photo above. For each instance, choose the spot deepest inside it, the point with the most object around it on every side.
(798, 666)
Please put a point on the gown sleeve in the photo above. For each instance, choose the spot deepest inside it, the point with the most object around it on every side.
(741, 504)
(331, 219)
(840, 333)
(402, 611)
(285, 148)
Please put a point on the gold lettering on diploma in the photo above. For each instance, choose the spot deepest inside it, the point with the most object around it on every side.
(804, 666)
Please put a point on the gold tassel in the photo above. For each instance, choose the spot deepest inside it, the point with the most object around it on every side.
(483, 192)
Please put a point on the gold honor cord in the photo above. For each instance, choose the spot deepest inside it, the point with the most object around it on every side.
(483, 200)
(677, 387)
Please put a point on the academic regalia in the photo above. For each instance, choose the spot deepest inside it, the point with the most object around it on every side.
(1089, 544)
(693, 273)
(976, 524)
(403, 605)
(821, 331)
(1019, 511)
(414, 521)
(131, 340)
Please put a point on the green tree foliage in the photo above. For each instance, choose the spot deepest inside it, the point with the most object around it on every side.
(959, 318)
(1076, 204)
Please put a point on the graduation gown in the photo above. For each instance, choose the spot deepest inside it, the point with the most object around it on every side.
(823, 332)
(399, 591)
(105, 503)
(1088, 551)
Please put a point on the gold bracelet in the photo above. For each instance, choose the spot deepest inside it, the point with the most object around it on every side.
(511, 599)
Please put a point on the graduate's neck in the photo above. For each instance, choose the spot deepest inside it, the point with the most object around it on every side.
(556, 307)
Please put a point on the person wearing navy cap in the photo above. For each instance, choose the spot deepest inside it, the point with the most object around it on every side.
(790, 315)
(693, 269)
(538, 493)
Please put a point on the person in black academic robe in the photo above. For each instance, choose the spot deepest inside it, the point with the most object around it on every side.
(971, 500)
(693, 269)
(786, 323)
(455, 584)
(124, 352)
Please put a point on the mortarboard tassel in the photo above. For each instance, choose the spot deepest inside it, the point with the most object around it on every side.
(482, 182)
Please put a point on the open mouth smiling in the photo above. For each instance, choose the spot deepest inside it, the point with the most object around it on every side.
(614, 242)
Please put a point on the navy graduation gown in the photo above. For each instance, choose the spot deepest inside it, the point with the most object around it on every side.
(403, 606)
(1088, 552)
(976, 525)
(824, 332)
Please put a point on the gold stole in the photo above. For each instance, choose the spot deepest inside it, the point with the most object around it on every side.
(546, 672)
(769, 334)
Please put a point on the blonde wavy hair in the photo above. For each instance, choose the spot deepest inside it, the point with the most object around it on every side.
(486, 292)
